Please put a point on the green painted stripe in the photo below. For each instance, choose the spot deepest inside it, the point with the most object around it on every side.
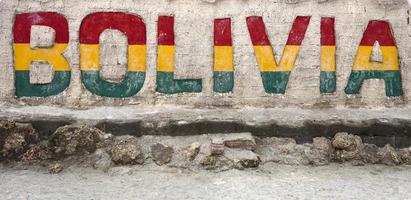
(168, 85)
(24, 88)
(392, 78)
(131, 85)
(275, 82)
(223, 82)
(328, 82)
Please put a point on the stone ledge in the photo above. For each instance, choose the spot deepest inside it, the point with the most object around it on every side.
(378, 125)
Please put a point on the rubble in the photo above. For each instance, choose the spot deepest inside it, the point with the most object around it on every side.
(321, 151)
(348, 147)
(126, 151)
(192, 151)
(16, 139)
(38, 152)
(243, 158)
(7, 124)
(212, 162)
(91, 147)
(283, 151)
(217, 147)
(75, 140)
(405, 155)
(161, 154)
(55, 168)
(388, 155)
(239, 141)
(369, 154)
(101, 160)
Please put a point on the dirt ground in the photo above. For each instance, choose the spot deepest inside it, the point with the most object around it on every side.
(272, 181)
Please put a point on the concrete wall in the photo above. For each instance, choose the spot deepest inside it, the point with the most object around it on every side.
(194, 51)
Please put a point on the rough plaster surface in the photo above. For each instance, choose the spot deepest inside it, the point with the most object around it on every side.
(194, 50)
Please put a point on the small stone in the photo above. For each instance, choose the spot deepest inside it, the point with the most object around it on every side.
(369, 153)
(321, 151)
(161, 154)
(348, 147)
(7, 124)
(344, 141)
(283, 151)
(38, 152)
(405, 156)
(211, 162)
(55, 168)
(388, 155)
(192, 151)
(75, 140)
(102, 160)
(127, 151)
(17, 140)
(243, 158)
(216, 147)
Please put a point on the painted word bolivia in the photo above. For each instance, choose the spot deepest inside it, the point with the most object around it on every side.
(274, 75)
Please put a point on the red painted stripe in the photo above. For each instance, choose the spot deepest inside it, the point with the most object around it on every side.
(378, 31)
(165, 28)
(23, 23)
(297, 33)
(222, 32)
(131, 25)
(256, 28)
(328, 31)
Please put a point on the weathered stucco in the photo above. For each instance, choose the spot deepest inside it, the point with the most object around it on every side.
(194, 54)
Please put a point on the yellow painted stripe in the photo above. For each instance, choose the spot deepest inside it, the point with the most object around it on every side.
(89, 57)
(137, 55)
(223, 59)
(389, 55)
(328, 62)
(288, 58)
(165, 58)
(24, 55)
(266, 60)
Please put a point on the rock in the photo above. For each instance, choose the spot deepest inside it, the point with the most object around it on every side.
(344, 141)
(243, 158)
(161, 154)
(55, 168)
(216, 147)
(38, 152)
(405, 155)
(321, 151)
(16, 140)
(283, 151)
(127, 151)
(348, 147)
(388, 155)
(244, 141)
(211, 162)
(102, 160)
(7, 124)
(369, 154)
(75, 140)
(192, 151)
